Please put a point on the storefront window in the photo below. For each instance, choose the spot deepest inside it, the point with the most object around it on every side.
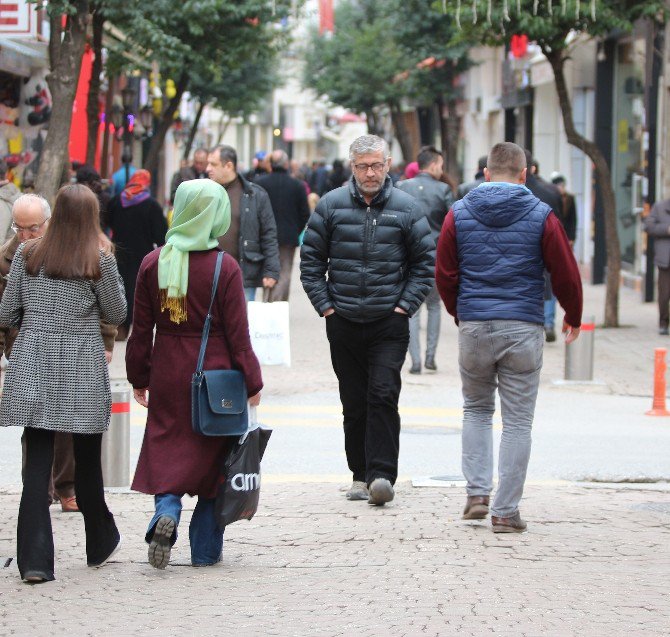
(628, 168)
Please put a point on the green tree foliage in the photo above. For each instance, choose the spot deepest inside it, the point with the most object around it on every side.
(549, 24)
(357, 66)
(206, 46)
(433, 63)
(223, 49)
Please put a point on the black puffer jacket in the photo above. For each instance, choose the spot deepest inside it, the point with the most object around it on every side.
(364, 261)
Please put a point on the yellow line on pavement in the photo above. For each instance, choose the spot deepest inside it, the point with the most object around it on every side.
(336, 410)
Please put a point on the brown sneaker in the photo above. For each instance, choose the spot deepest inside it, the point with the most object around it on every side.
(69, 505)
(476, 507)
(513, 524)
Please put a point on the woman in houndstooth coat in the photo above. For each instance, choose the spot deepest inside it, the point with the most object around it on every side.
(59, 288)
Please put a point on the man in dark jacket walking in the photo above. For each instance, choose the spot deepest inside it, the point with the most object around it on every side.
(493, 249)
(436, 199)
(367, 265)
(289, 204)
(252, 237)
(657, 225)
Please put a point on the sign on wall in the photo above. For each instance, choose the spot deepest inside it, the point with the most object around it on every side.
(18, 19)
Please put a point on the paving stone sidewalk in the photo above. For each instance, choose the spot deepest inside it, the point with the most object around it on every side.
(595, 561)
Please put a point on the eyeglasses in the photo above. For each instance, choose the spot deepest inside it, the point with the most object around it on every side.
(363, 168)
(31, 229)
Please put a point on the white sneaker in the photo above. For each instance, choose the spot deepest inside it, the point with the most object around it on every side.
(358, 491)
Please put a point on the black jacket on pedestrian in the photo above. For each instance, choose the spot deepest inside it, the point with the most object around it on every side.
(435, 195)
(258, 248)
(289, 204)
(364, 261)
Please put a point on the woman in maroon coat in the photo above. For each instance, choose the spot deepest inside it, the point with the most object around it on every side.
(173, 292)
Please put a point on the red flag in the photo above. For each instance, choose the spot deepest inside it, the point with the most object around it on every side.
(326, 17)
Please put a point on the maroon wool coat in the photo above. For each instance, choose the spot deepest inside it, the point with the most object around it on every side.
(174, 459)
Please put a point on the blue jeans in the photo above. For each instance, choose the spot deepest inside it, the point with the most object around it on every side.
(250, 294)
(550, 312)
(506, 355)
(205, 537)
(434, 307)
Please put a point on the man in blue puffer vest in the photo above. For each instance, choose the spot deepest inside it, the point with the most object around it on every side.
(367, 264)
(494, 246)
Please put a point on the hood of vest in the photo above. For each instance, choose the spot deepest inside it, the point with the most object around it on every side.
(499, 206)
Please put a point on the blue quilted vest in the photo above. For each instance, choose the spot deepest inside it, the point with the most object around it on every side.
(499, 230)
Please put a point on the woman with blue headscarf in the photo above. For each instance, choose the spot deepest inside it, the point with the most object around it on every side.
(172, 295)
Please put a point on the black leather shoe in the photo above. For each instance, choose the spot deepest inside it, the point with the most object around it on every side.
(415, 369)
(663, 331)
(550, 334)
(430, 364)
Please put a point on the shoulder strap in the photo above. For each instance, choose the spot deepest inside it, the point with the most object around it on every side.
(208, 319)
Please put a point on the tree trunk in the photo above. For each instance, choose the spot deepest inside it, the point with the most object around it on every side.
(375, 126)
(167, 119)
(194, 130)
(604, 182)
(402, 133)
(93, 104)
(66, 48)
(104, 155)
(450, 130)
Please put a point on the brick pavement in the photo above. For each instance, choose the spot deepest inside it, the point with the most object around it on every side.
(594, 562)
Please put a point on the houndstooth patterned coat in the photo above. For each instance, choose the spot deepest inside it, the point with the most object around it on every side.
(57, 377)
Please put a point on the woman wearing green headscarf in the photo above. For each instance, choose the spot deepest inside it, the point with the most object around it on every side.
(173, 292)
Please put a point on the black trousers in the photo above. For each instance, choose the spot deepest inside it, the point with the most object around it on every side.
(663, 296)
(35, 545)
(367, 358)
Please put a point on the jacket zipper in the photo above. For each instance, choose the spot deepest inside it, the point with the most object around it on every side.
(365, 249)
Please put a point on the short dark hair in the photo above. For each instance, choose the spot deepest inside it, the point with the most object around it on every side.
(506, 159)
(481, 162)
(3, 168)
(427, 155)
(226, 154)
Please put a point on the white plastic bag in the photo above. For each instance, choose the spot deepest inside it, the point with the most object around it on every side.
(269, 331)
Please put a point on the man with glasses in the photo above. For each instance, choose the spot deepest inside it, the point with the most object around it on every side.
(30, 219)
(367, 265)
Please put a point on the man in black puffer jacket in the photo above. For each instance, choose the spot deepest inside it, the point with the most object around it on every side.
(367, 264)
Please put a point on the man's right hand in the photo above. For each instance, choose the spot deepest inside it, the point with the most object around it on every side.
(571, 333)
(328, 312)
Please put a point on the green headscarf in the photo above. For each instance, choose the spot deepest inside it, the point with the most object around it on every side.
(201, 215)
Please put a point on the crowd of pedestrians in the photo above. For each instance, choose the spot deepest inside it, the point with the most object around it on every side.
(377, 243)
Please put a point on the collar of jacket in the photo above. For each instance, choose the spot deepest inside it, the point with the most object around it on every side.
(379, 199)
(246, 184)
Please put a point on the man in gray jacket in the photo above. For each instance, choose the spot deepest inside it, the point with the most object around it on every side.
(657, 225)
(252, 237)
(436, 199)
(367, 263)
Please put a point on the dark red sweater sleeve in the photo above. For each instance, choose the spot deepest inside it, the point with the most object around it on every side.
(560, 262)
(446, 265)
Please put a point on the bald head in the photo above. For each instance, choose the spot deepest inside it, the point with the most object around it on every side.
(279, 159)
(30, 214)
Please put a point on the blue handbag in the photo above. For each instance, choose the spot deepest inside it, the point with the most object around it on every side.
(218, 396)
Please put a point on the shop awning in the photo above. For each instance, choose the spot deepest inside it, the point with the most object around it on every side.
(20, 59)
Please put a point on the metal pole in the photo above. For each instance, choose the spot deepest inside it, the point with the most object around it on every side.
(579, 354)
(115, 454)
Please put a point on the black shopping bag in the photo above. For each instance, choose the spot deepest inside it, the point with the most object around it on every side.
(240, 485)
